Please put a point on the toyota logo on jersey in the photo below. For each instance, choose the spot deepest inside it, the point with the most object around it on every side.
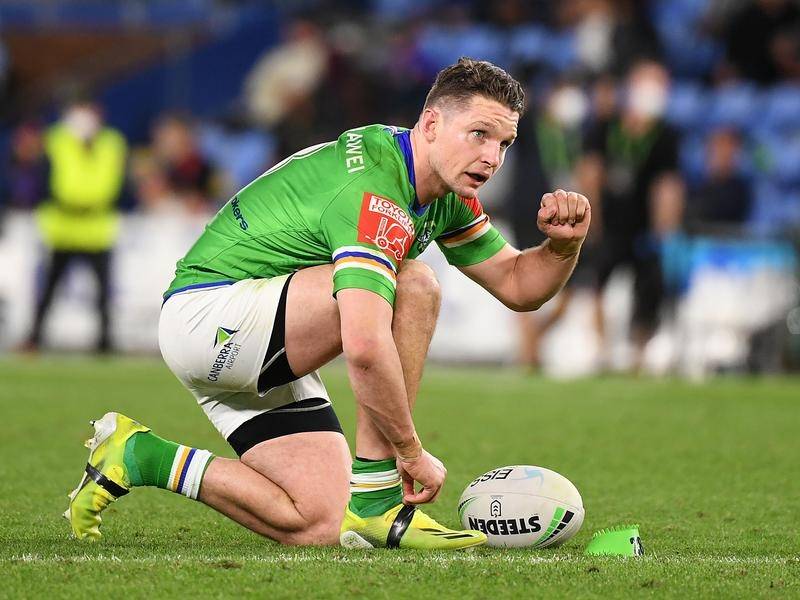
(386, 225)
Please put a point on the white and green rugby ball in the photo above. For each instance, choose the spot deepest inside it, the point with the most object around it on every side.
(522, 505)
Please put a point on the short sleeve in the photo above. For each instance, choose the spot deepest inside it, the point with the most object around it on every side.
(469, 237)
(369, 235)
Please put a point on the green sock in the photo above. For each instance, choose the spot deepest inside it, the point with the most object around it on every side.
(151, 460)
(374, 487)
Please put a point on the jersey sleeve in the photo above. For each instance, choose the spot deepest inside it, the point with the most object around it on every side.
(469, 237)
(369, 235)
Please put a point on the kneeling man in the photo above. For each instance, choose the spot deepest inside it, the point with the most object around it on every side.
(313, 259)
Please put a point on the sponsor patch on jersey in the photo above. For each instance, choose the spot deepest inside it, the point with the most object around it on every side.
(386, 225)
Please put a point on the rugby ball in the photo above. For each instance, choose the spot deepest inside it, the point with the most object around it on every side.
(522, 505)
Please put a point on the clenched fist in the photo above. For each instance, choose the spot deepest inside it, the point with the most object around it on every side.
(564, 218)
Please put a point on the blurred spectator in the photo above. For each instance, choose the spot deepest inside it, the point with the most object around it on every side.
(80, 219)
(371, 62)
(722, 201)
(546, 153)
(763, 41)
(611, 35)
(603, 99)
(177, 153)
(151, 185)
(26, 170)
(630, 174)
(286, 76)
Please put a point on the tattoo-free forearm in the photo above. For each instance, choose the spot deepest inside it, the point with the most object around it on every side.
(377, 381)
(538, 274)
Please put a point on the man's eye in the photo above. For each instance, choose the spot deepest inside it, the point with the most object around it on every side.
(479, 133)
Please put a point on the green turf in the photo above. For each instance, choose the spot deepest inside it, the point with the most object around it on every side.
(710, 472)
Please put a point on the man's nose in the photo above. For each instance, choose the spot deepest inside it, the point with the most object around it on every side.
(492, 155)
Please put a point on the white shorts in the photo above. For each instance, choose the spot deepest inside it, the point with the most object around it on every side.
(214, 339)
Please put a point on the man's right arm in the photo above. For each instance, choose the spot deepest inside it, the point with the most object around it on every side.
(368, 235)
(374, 366)
(376, 376)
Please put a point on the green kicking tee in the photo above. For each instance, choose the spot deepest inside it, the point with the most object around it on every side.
(351, 203)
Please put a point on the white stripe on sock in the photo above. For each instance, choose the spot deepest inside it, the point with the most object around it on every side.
(375, 477)
(194, 474)
(373, 482)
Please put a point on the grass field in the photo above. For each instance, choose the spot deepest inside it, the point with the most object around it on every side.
(710, 472)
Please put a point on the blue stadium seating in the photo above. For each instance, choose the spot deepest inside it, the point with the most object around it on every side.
(733, 105)
(528, 44)
(782, 108)
(108, 13)
(776, 209)
(442, 46)
(687, 49)
(786, 165)
(693, 158)
(560, 51)
(687, 105)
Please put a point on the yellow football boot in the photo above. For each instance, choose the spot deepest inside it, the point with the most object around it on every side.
(105, 478)
(404, 527)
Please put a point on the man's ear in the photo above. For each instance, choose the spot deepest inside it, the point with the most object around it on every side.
(429, 122)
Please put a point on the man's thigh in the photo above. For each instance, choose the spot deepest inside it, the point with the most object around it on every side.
(313, 334)
(312, 467)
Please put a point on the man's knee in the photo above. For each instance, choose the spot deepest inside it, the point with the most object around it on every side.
(418, 280)
(321, 531)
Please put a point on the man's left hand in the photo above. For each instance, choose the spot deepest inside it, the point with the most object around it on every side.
(564, 218)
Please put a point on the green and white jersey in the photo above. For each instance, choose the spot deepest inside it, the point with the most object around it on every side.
(350, 202)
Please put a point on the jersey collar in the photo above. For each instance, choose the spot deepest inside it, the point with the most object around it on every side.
(403, 139)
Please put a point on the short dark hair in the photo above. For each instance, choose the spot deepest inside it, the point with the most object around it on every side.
(470, 77)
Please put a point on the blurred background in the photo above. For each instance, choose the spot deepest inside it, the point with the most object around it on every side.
(124, 125)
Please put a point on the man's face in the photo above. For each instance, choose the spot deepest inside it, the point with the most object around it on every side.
(84, 120)
(648, 89)
(471, 143)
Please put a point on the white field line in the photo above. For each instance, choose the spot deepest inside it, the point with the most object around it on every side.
(385, 558)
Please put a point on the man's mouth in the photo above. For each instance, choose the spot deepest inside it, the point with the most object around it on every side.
(478, 177)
